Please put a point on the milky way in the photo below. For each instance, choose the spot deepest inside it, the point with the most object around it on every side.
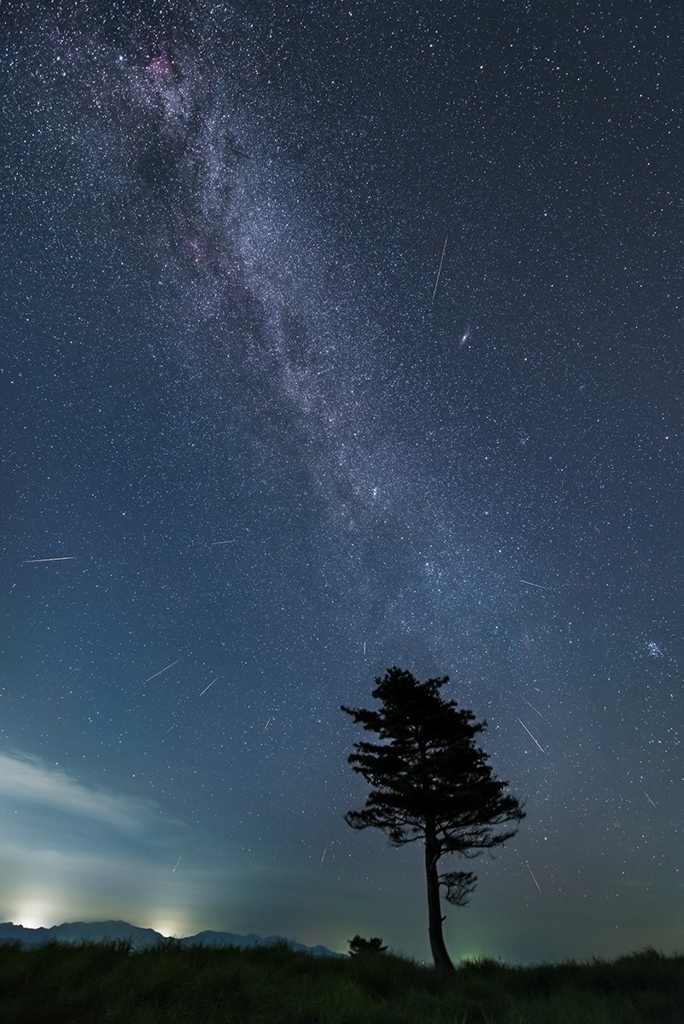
(266, 299)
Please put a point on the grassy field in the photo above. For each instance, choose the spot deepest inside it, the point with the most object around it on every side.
(111, 984)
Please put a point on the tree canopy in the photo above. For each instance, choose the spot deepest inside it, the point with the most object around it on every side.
(431, 783)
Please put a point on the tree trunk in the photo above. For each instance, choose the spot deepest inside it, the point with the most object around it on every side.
(437, 946)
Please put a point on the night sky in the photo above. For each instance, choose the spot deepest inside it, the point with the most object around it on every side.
(255, 451)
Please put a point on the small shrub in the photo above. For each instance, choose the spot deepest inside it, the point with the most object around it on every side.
(360, 945)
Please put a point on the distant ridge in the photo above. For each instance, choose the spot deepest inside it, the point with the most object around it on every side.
(141, 938)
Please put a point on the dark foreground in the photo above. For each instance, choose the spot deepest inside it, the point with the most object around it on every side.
(110, 984)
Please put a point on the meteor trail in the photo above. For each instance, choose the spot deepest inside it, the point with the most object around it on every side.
(62, 558)
(215, 542)
(325, 850)
(533, 878)
(531, 736)
(434, 290)
(531, 705)
(162, 670)
(538, 585)
(178, 861)
(207, 687)
(647, 796)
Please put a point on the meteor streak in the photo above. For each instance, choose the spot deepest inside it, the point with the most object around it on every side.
(178, 861)
(538, 585)
(62, 558)
(531, 736)
(207, 687)
(434, 290)
(533, 878)
(647, 796)
(162, 670)
(531, 706)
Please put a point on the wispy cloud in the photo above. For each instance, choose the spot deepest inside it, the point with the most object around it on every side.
(29, 780)
(73, 851)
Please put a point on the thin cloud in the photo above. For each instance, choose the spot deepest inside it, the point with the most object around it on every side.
(76, 852)
(30, 780)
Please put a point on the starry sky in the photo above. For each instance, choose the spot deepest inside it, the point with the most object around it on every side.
(338, 336)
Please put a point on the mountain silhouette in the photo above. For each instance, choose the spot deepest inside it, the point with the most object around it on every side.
(141, 938)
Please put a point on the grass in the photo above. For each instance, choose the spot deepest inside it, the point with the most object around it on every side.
(109, 983)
